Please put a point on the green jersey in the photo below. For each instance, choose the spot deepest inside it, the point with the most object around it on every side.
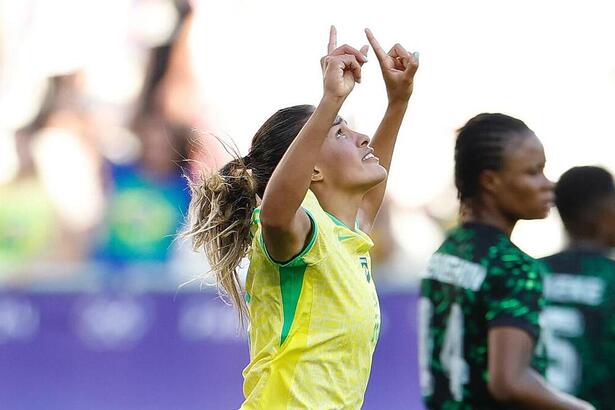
(579, 325)
(477, 280)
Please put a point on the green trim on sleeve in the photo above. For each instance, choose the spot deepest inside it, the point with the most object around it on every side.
(291, 283)
(254, 221)
(256, 216)
(297, 260)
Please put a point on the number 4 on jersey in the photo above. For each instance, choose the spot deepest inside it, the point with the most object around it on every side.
(451, 354)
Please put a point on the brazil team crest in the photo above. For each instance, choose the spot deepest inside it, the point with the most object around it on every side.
(365, 266)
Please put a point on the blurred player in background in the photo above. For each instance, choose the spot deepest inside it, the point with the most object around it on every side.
(579, 321)
(311, 301)
(482, 296)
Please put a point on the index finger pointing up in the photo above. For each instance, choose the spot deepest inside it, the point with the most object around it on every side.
(380, 53)
(332, 40)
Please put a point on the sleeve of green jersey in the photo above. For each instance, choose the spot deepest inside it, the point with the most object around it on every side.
(513, 293)
(609, 340)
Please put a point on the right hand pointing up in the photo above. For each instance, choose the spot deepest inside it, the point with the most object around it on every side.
(341, 67)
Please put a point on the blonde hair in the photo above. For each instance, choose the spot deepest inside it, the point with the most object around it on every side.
(222, 204)
(219, 220)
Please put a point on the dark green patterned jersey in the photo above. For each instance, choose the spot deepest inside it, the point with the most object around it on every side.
(579, 325)
(478, 279)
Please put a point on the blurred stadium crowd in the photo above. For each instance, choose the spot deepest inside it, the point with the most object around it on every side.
(96, 145)
(100, 146)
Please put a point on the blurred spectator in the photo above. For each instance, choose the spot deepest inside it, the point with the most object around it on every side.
(147, 199)
(28, 222)
(41, 223)
(67, 158)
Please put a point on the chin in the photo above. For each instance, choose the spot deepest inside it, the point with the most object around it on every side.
(375, 179)
(380, 175)
(537, 214)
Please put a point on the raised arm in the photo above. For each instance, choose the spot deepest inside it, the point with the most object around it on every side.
(398, 69)
(286, 226)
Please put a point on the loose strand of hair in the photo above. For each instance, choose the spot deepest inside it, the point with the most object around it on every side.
(212, 230)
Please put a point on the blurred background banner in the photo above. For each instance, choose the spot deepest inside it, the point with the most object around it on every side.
(160, 351)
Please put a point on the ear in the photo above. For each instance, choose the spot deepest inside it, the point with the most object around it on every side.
(317, 175)
(605, 221)
(490, 181)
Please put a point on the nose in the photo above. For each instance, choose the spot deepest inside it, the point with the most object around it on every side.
(362, 140)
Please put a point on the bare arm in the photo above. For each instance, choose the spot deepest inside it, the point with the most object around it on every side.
(285, 225)
(398, 69)
(511, 379)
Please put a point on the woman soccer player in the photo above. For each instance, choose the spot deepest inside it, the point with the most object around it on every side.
(312, 306)
(579, 323)
(482, 296)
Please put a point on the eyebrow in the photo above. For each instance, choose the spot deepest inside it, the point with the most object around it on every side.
(338, 121)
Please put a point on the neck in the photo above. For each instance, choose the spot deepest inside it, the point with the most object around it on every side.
(488, 215)
(588, 244)
(343, 205)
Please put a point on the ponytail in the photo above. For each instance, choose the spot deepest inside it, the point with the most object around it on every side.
(219, 216)
(220, 212)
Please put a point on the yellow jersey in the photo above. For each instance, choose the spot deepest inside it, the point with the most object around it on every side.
(314, 321)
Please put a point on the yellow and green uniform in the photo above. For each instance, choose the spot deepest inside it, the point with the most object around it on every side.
(314, 321)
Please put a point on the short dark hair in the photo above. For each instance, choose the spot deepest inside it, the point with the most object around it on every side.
(579, 194)
(480, 146)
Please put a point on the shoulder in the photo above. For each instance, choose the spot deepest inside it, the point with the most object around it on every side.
(509, 267)
(312, 207)
(603, 268)
(460, 241)
(555, 259)
(504, 252)
(315, 249)
(546, 261)
(607, 263)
